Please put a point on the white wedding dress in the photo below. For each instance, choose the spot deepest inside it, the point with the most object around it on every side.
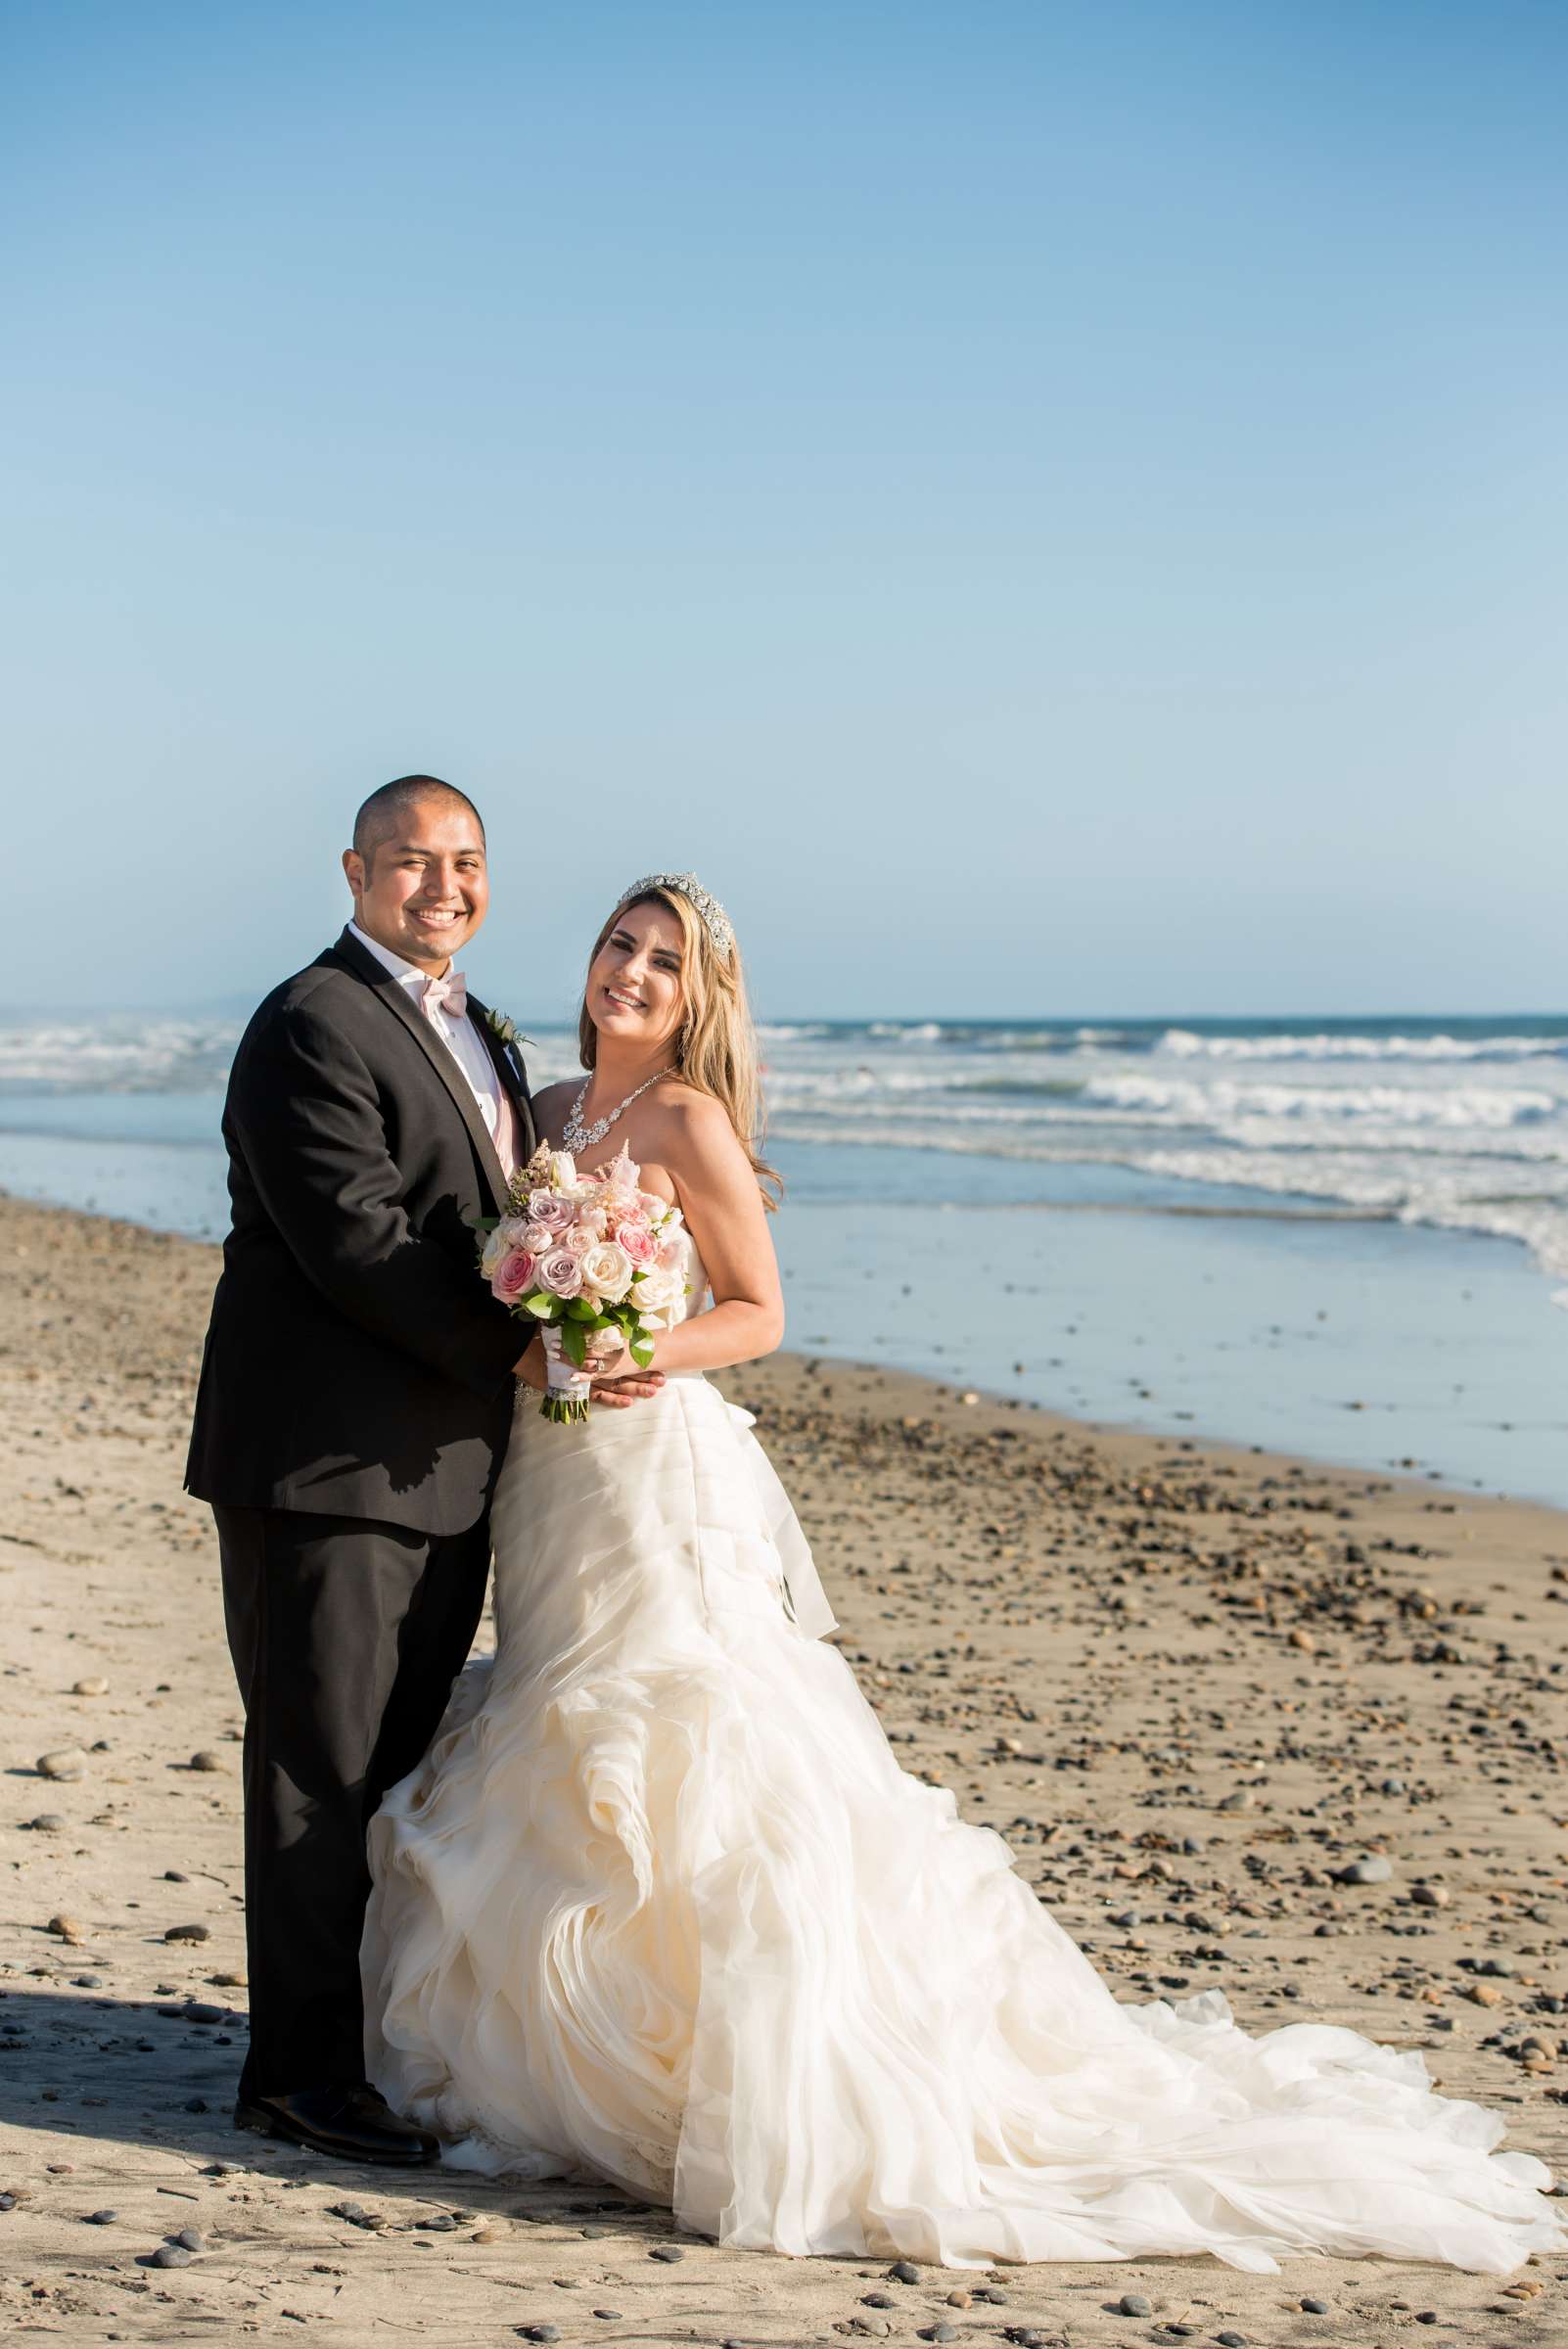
(660, 1908)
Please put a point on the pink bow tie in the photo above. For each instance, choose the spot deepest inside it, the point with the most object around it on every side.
(448, 995)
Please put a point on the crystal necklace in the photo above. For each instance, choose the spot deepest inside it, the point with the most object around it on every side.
(577, 1138)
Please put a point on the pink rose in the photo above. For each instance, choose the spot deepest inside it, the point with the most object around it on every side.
(637, 1241)
(551, 1212)
(672, 1249)
(513, 1276)
(562, 1272)
(538, 1237)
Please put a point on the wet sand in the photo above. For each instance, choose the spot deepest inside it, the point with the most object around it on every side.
(1191, 1685)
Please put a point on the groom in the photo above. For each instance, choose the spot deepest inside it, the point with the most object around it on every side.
(356, 1398)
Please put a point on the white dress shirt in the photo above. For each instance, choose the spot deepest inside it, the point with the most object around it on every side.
(460, 1036)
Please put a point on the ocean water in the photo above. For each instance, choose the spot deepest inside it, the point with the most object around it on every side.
(1345, 1237)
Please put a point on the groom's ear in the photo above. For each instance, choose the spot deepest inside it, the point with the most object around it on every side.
(353, 872)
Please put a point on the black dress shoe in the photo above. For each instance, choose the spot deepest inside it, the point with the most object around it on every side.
(352, 2124)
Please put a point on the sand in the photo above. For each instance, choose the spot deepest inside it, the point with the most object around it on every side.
(1188, 1684)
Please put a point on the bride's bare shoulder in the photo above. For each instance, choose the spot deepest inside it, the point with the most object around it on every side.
(551, 1102)
(694, 1128)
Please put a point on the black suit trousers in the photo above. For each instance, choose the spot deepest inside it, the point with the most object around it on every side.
(347, 1635)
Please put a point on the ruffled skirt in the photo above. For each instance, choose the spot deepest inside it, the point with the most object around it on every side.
(660, 1908)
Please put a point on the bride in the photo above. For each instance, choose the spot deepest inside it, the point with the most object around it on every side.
(661, 1907)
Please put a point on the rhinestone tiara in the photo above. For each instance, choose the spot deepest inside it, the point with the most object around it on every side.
(715, 918)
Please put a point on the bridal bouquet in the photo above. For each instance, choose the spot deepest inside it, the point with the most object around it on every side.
(583, 1255)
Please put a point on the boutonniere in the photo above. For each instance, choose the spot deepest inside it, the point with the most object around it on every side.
(506, 1032)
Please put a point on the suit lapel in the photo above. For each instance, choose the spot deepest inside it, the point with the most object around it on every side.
(397, 1001)
(508, 1067)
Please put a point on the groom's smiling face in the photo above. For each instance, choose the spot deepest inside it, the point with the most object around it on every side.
(422, 890)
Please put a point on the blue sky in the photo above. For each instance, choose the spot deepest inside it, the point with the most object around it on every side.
(1050, 509)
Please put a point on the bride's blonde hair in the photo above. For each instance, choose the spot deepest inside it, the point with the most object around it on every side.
(716, 1047)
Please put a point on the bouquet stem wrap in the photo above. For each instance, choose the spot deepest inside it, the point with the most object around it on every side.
(566, 1389)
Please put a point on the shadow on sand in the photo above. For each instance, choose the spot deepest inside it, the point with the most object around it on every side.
(160, 2075)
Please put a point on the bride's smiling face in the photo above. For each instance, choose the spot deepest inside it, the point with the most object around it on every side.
(634, 991)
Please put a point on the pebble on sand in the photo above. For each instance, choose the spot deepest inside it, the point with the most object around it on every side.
(67, 1762)
(208, 1760)
(67, 1928)
(188, 1933)
(1374, 1868)
(95, 1686)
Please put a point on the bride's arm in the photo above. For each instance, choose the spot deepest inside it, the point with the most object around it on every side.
(716, 1191)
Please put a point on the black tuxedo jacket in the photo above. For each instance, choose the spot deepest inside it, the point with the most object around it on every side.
(356, 1364)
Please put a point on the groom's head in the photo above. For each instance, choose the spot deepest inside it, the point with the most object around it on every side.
(417, 869)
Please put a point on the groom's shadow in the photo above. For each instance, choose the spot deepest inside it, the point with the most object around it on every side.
(161, 2074)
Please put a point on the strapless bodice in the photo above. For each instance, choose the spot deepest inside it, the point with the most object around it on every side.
(695, 1296)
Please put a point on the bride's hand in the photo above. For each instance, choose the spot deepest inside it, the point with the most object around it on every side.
(607, 1357)
(617, 1378)
(632, 1386)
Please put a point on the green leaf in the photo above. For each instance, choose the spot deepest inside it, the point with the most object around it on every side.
(541, 1303)
(579, 1309)
(641, 1350)
(574, 1343)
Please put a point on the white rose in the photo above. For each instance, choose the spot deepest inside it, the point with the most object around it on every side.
(607, 1270)
(562, 1172)
(672, 1249)
(661, 1286)
(510, 1234)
